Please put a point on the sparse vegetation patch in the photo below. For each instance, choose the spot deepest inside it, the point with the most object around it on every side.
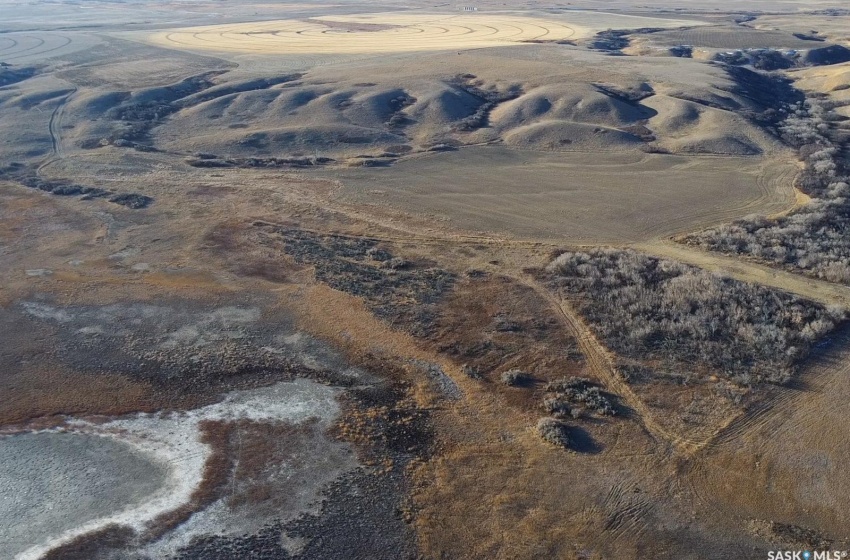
(612, 41)
(13, 74)
(574, 395)
(24, 176)
(396, 290)
(246, 163)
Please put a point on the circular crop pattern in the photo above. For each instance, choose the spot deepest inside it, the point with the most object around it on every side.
(371, 33)
(15, 47)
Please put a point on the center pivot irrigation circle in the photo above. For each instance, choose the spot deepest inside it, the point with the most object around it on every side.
(17, 46)
(372, 33)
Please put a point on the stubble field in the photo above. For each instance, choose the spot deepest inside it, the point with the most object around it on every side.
(397, 32)
(614, 198)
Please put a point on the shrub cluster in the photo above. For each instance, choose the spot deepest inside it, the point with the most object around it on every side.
(572, 395)
(648, 308)
(761, 59)
(396, 290)
(23, 175)
(769, 59)
(814, 238)
(682, 51)
(489, 98)
(471, 371)
(397, 106)
(611, 40)
(13, 74)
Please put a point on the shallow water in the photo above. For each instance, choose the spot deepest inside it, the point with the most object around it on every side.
(55, 486)
(52, 482)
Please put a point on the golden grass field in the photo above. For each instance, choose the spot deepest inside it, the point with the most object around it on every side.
(391, 32)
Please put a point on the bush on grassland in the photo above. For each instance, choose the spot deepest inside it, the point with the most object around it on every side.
(554, 431)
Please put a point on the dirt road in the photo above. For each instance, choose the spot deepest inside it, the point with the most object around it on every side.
(748, 271)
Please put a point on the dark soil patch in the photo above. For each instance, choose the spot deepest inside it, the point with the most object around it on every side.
(361, 519)
(97, 545)
(227, 344)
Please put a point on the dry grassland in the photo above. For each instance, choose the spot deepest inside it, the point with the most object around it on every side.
(544, 145)
(832, 27)
(784, 462)
(491, 488)
(614, 197)
(832, 81)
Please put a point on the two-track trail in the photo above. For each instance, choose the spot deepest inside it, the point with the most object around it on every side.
(602, 364)
(54, 126)
(749, 271)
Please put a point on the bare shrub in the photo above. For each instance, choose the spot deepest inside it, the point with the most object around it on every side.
(559, 407)
(395, 263)
(634, 373)
(554, 431)
(515, 378)
(812, 239)
(470, 371)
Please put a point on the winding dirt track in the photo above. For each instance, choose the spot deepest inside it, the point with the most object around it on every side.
(601, 362)
(369, 33)
(55, 129)
(56, 125)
